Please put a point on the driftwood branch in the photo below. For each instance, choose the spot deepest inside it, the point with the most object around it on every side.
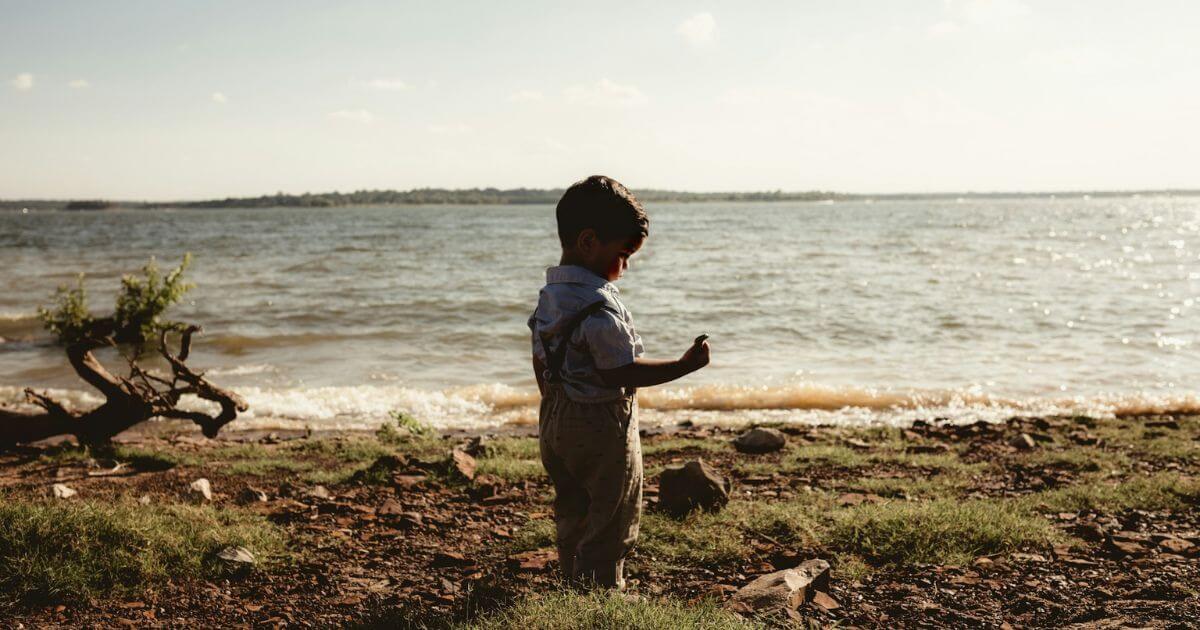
(128, 401)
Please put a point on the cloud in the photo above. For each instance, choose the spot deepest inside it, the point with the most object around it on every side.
(1073, 60)
(943, 28)
(606, 93)
(525, 96)
(451, 129)
(992, 12)
(219, 97)
(699, 30)
(23, 82)
(79, 84)
(355, 115)
(391, 85)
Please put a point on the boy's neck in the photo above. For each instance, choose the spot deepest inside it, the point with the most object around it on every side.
(573, 258)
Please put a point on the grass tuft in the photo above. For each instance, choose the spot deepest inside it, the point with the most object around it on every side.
(1161, 491)
(942, 531)
(715, 538)
(67, 552)
(609, 611)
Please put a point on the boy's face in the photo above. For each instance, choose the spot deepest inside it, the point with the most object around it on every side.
(610, 259)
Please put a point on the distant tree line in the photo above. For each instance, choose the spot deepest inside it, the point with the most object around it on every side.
(478, 196)
(497, 196)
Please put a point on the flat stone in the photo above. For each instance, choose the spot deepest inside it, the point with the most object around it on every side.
(822, 599)
(63, 491)
(786, 589)
(238, 555)
(760, 440)
(1176, 545)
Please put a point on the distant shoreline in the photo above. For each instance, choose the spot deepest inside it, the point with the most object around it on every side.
(532, 196)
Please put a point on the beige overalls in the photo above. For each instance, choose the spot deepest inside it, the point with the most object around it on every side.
(593, 454)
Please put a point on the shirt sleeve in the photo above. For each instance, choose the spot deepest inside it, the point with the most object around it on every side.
(611, 340)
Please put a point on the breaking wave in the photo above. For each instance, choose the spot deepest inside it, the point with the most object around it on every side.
(489, 406)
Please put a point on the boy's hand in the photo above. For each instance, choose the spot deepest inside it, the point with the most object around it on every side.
(696, 356)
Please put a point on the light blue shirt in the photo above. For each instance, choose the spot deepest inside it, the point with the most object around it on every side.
(604, 340)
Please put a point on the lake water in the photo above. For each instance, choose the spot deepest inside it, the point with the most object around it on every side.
(850, 312)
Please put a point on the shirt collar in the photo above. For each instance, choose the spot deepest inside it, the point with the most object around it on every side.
(577, 275)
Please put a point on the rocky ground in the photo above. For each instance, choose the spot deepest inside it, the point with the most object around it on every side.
(1039, 522)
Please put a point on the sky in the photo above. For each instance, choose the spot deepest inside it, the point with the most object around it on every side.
(188, 99)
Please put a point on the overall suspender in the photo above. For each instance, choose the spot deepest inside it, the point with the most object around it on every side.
(555, 358)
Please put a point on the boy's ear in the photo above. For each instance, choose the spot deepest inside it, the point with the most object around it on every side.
(586, 240)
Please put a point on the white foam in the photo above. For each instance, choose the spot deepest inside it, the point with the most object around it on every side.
(491, 405)
(241, 370)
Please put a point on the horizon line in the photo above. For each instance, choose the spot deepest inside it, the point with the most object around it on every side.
(813, 193)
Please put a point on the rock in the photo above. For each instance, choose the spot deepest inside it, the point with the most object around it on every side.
(250, 494)
(62, 491)
(391, 507)
(822, 599)
(857, 444)
(236, 555)
(411, 520)
(756, 441)
(693, 485)
(202, 489)
(1023, 442)
(1176, 545)
(451, 559)
(462, 464)
(1091, 532)
(485, 487)
(536, 560)
(478, 446)
(144, 499)
(786, 589)
(319, 492)
(1119, 547)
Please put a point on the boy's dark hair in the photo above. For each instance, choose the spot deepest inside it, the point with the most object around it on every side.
(603, 204)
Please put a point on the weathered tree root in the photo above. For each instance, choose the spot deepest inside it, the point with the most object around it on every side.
(128, 400)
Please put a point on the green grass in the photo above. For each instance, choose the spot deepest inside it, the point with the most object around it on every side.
(67, 552)
(268, 466)
(685, 446)
(942, 531)
(935, 487)
(1155, 492)
(511, 469)
(609, 611)
(512, 459)
(715, 538)
(138, 458)
(534, 534)
(1079, 459)
(341, 457)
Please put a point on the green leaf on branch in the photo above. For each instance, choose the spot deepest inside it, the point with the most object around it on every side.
(138, 316)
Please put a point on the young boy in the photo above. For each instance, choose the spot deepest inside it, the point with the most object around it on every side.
(587, 359)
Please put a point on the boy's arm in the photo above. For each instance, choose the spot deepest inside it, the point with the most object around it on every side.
(539, 371)
(651, 372)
